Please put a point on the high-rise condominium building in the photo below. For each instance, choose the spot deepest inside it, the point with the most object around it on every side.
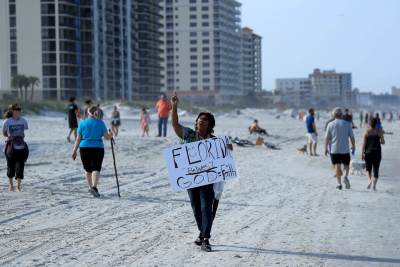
(329, 87)
(86, 48)
(251, 61)
(202, 47)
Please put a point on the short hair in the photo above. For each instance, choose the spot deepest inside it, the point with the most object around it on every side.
(71, 99)
(211, 121)
(255, 121)
(311, 110)
(337, 112)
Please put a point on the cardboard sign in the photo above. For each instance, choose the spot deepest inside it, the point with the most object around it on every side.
(200, 163)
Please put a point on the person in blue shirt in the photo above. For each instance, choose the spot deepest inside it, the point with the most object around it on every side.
(311, 133)
(91, 147)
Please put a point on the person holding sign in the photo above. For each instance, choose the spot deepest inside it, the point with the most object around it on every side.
(91, 147)
(201, 198)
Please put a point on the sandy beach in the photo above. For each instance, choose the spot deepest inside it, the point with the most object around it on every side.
(284, 209)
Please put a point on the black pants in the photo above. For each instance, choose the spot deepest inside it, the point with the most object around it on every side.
(372, 163)
(16, 164)
(201, 199)
(92, 158)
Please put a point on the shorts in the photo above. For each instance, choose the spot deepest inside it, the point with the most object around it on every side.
(312, 138)
(92, 158)
(340, 159)
(73, 124)
(116, 123)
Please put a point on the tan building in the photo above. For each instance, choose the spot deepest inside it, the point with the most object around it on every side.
(202, 48)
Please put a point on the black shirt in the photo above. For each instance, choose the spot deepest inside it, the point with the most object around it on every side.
(72, 109)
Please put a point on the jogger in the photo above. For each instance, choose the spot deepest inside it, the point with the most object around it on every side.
(91, 147)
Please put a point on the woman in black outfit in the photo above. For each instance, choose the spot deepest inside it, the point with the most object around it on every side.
(372, 152)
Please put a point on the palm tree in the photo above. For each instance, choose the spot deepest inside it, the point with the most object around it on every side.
(17, 83)
(33, 82)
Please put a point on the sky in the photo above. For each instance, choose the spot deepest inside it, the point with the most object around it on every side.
(357, 36)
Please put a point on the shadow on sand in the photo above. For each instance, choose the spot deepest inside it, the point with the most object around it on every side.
(328, 256)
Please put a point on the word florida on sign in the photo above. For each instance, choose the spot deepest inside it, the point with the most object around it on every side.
(200, 163)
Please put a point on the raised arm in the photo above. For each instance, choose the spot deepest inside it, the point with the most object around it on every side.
(175, 119)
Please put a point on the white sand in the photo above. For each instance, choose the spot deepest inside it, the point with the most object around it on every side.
(284, 210)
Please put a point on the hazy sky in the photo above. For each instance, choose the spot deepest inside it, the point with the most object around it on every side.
(358, 36)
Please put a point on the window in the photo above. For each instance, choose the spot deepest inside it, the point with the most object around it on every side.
(193, 8)
(193, 65)
(193, 16)
(193, 80)
(49, 70)
(13, 58)
(193, 57)
(193, 41)
(48, 33)
(12, 10)
(193, 1)
(193, 49)
(193, 72)
(49, 58)
(206, 80)
(193, 24)
(49, 46)
(205, 24)
(13, 22)
(193, 34)
(48, 21)
(204, 8)
(206, 41)
(193, 88)
(205, 16)
(206, 56)
(206, 49)
(206, 34)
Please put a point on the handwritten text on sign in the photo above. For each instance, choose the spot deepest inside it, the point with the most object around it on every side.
(200, 163)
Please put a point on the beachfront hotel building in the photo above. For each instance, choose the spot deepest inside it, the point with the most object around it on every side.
(251, 67)
(202, 48)
(85, 48)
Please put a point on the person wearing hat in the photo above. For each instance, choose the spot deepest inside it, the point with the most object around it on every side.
(16, 150)
(337, 136)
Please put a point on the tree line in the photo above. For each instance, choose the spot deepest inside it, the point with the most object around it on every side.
(23, 83)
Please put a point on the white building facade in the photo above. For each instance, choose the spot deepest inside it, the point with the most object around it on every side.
(251, 61)
(295, 92)
(202, 48)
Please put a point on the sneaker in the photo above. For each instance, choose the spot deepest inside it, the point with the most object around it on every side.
(339, 187)
(205, 246)
(94, 191)
(199, 241)
(346, 182)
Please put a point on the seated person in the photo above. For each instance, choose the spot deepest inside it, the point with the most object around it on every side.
(254, 128)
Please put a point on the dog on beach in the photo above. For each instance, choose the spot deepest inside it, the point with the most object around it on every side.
(302, 150)
(357, 167)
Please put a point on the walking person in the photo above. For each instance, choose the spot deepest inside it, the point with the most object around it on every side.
(145, 121)
(88, 104)
(201, 198)
(73, 116)
(16, 150)
(311, 132)
(163, 109)
(91, 147)
(115, 121)
(337, 136)
(366, 121)
(372, 152)
(361, 118)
